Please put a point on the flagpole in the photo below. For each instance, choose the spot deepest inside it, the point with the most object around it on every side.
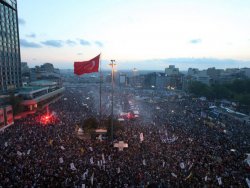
(100, 112)
(112, 100)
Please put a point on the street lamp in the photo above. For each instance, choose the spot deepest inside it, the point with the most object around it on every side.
(153, 92)
(112, 64)
(134, 75)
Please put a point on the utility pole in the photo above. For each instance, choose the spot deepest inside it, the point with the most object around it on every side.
(134, 80)
(112, 64)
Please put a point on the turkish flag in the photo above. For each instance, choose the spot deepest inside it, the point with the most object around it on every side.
(82, 67)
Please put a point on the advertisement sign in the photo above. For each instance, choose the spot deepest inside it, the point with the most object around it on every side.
(9, 115)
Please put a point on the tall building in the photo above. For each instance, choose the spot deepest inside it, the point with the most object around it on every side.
(45, 72)
(171, 70)
(10, 64)
(123, 79)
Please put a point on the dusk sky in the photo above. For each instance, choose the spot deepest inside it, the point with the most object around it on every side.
(145, 34)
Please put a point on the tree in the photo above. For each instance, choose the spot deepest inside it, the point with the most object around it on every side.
(220, 92)
(116, 126)
(90, 123)
(15, 102)
(238, 90)
(243, 99)
(199, 89)
(238, 86)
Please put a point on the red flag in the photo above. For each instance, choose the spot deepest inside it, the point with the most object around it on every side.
(82, 67)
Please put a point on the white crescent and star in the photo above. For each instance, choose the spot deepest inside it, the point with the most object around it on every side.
(90, 66)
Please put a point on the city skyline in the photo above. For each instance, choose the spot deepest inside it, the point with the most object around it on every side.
(142, 34)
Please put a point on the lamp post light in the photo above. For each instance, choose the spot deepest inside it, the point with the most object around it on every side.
(112, 64)
(134, 76)
(134, 80)
(153, 92)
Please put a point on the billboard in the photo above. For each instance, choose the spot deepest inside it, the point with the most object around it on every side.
(9, 115)
(2, 122)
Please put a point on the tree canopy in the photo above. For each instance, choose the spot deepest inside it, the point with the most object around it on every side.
(238, 90)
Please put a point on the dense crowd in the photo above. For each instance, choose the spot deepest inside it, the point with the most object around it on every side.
(173, 148)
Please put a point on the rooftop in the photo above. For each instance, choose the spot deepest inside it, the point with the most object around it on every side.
(28, 89)
(43, 83)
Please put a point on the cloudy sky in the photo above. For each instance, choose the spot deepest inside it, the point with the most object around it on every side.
(145, 34)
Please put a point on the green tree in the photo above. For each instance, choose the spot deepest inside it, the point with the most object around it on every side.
(116, 126)
(238, 86)
(90, 123)
(15, 102)
(220, 92)
(238, 90)
(243, 99)
(199, 89)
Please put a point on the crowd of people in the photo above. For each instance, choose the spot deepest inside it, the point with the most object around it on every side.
(172, 148)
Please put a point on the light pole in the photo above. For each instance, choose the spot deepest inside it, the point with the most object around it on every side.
(112, 64)
(153, 92)
(134, 76)
(134, 79)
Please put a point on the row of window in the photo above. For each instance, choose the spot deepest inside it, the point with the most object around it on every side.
(8, 39)
(8, 23)
(9, 86)
(11, 77)
(11, 58)
(8, 30)
(9, 44)
(12, 3)
(4, 34)
(10, 70)
(8, 35)
(7, 79)
(11, 64)
(11, 31)
(12, 51)
(6, 47)
(8, 18)
(5, 84)
(7, 9)
(8, 52)
(9, 67)
(15, 59)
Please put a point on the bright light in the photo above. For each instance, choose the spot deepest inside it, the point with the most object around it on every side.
(46, 119)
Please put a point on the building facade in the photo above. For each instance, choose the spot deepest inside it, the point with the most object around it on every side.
(123, 79)
(171, 70)
(10, 64)
(38, 95)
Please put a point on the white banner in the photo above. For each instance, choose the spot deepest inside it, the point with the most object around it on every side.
(72, 166)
